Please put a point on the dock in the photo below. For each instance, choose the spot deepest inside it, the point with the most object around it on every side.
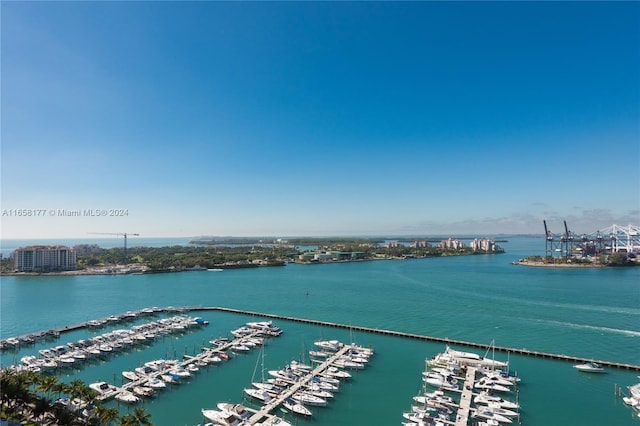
(444, 340)
(280, 398)
(462, 416)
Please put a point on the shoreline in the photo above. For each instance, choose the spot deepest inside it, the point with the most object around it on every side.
(138, 269)
(557, 265)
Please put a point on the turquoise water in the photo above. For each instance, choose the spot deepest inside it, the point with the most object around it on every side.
(593, 313)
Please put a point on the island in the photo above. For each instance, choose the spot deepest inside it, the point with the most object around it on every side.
(233, 253)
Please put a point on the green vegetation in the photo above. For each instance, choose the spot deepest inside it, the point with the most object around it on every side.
(29, 398)
(214, 254)
(179, 258)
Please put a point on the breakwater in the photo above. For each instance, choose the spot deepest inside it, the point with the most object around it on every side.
(444, 340)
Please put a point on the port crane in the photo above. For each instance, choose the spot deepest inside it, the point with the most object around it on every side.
(121, 234)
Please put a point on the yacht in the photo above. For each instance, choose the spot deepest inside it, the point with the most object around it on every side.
(590, 367)
(128, 397)
(274, 421)
(309, 399)
(296, 407)
(102, 387)
(486, 398)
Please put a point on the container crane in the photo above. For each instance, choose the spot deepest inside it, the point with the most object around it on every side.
(125, 241)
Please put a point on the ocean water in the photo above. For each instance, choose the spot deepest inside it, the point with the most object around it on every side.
(592, 313)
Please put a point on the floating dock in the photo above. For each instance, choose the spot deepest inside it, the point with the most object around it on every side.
(462, 417)
(281, 397)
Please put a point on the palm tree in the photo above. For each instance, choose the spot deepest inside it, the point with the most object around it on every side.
(106, 415)
(46, 385)
(142, 417)
(128, 420)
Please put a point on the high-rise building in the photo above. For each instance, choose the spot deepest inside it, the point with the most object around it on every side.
(44, 259)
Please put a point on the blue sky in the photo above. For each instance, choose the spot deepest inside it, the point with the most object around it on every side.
(320, 118)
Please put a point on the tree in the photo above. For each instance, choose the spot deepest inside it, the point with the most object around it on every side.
(46, 385)
(106, 415)
(142, 417)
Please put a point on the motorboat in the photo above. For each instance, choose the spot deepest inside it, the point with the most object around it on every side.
(486, 398)
(268, 387)
(329, 345)
(146, 391)
(156, 383)
(485, 383)
(130, 375)
(497, 409)
(220, 418)
(296, 407)
(238, 410)
(128, 397)
(590, 367)
(315, 389)
(170, 378)
(309, 399)
(259, 394)
(103, 388)
(274, 421)
(337, 373)
(486, 413)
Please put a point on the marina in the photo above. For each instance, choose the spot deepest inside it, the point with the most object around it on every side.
(519, 351)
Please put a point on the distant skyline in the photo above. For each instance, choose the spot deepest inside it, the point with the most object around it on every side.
(318, 118)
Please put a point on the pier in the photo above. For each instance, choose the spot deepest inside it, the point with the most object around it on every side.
(280, 398)
(462, 417)
(444, 340)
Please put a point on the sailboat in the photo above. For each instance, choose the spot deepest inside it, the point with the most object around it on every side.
(262, 391)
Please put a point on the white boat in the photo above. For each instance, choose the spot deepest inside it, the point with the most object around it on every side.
(238, 410)
(485, 413)
(486, 398)
(170, 378)
(146, 391)
(346, 363)
(336, 372)
(485, 383)
(130, 375)
(156, 383)
(329, 345)
(222, 417)
(296, 407)
(497, 409)
(315, 389)
(437, 396)
(590, 367)
(300, 366)
(180, 372)
(309, 399)
(634, 390)
(274, 421)
(268, 387)
(102, 388)
(259, 394)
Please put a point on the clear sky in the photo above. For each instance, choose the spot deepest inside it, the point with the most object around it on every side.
(319, 118)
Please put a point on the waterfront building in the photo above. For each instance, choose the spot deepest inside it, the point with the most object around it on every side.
(451, 244)
(483, 244)
(44, 259)
(420, 244)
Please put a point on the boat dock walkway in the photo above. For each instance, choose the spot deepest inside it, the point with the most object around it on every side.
(276, 401)
(127, 387)
(462, 416)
